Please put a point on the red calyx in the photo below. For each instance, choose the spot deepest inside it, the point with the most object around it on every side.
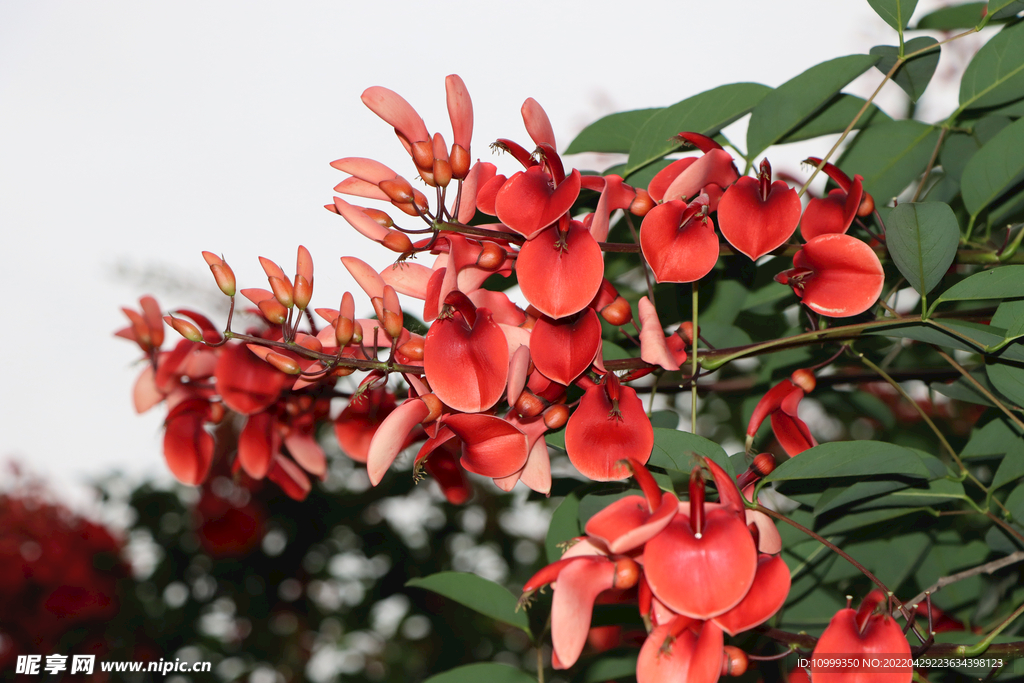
(697, 501)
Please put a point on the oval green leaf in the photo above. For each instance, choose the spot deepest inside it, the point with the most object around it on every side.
(896, 13)
(1004, 282)
(614, 133)
(913, 75)
(706, 113)
(1004, 9)
(477, 593)
(922, 238)
(850, 459)
(799, 98)
(1008, 380)
(966, 15)
(491, 672)
(890, 156)
(834, 117)
(996, 73)
(673, 450)
(995, 168)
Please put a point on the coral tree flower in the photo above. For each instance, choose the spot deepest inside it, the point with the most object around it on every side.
(835, 275)
(757, 215)
(835, 212)
(678, 240)
(781, 403)
(609, 426)
(869, 630)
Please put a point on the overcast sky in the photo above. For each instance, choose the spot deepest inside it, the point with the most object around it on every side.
(135, 134)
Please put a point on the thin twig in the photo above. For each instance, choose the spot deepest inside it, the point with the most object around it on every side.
(987, 568)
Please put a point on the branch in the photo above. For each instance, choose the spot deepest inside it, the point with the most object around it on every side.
(987, 568)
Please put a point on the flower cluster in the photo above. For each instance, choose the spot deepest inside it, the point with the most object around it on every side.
(671, 552)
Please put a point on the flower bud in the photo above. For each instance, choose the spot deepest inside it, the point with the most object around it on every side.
(556, 416)
(685, 332)
(618, 312)
(283, 363)
(867, 205)
(222, 273)
(492, 257)
(528, 404)
(435, 406)
(380, 217)
(272, 269)
(442, 172)
(399, 191)
(627, 573)
(641, 204)
(734, 661)
(423, 155)
(344, 328)
(310, 342)
(804, 379)
(282, 291)
(412, 349)
(273, 311)
(392, 317)
(460, 162)
(302, 292)
(397, 242)
(184, 328)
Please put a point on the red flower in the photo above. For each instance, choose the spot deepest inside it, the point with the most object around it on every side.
(781, 403)
(835, 275)
(867, 631)
(835, 212)
(757, 215)
(678, 240)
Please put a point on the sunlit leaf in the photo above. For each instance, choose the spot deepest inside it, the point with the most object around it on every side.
(966, 15)
(995, 74)
(850, 459)
(784, 108)
(613, 133)
(896, 13)
(491, 672)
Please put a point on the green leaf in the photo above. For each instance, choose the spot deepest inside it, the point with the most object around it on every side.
(995, 168)
(673, 450)
(492, 672)
(607, 668)
(613, 133)
(839, 496)
(997, 437)
(1004, 282)
(667, 419)
(962, 390)
(1011, 468)
(850, 459)
(477, 593)
(936, 492)
(959, 148)
(914, 74)
(796, 100)
(706, 113)
(1010, 316)
(922, 238)
(896, 13)
(856, 520)
(996, 73)
(834, 117)
(565, 524)
(890, 156)
(1004, 9)
(1008, 380)
(966, 15)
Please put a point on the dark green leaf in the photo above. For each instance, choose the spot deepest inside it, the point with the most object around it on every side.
(839, 496)
(1008, 380)
(914, 74)
(856, 520)
(1010, 316)
(958, 148)
(673, 450)
(834, 117)
(996, 167)
(1004, 282)
(896, 13)
(796, 100)
(706, 113)
(477, 593)
(613, 133)
(962, 390)
(936, 492)
(890, 156)
(966, 15)
(565, 524)
(996, 73)
(607, 668)
(1004, 9)
(979, 335)
(491, 672)
(997, 437)
(922, 238)
(850, 459)
(1012, 466)
(667, 419)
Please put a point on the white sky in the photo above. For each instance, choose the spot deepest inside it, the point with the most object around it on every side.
(135, 134)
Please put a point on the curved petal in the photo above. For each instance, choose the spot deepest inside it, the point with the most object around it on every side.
(307, 453)
(527, 203)
(713, 168)
(444, 468)
(769, 540)
(560, 273)
(358, 219)
(602, 433)
(368, 279)
(460, 110)
(408, 278)
(765, 597)
(723, 561)
(537, 123)
(246, 384)
(576, 589)
(490, 446)
(466, 362)
(398, 113)
(518, 370)
(847, 276)
(563, 349)
(754, 226)
(390, 437)
(671, 653)
(188, 448)
(258, 443)
(663, 178)
(653, 345)
(623, 529)
(365, 169)
(289, 477)
(537, 470)
(678, 249)
(792, 433)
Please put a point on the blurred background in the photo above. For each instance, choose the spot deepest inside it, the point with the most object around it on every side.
(135, 135)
